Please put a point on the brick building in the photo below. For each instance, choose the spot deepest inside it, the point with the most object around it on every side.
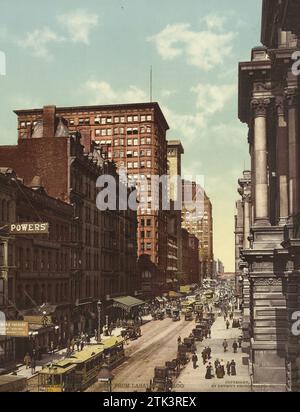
(134, 136)
(103, 244)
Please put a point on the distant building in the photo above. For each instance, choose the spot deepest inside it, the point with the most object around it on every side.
(190, 258)
(200, 223)
(175, 152)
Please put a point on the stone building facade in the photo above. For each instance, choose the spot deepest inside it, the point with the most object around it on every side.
(269, 104)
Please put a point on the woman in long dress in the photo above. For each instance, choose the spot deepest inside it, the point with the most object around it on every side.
(209, 372)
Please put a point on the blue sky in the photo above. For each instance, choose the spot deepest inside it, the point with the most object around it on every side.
(100, 51)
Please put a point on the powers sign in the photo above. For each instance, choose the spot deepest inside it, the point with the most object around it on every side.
(28, 228)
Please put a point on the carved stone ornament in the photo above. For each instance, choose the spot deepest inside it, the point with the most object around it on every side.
(260, 107)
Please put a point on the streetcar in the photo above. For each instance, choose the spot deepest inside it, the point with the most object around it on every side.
(13, 383)
(80, 370)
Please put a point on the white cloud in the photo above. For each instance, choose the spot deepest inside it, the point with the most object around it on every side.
(38, 41)
(204, 49)
(214, 21)
(212, 98)
(79, 24)
(101, 92)
(167, 93)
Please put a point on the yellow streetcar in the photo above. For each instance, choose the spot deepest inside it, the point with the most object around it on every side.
(80, 370)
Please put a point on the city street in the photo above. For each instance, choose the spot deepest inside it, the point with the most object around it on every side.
(157, 346)
(191, 380)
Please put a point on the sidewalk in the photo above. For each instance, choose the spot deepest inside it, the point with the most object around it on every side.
(193, 380)
(58, 355)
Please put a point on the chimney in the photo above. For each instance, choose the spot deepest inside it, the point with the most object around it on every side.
(49, 121)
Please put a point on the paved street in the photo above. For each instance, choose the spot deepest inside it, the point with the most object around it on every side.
(157, 346)
(192, 380)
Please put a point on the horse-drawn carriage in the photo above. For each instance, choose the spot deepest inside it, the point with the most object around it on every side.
(189, 316)
(162, 381)
(131, 332)
(198, 334)
(182, 354)
(176, 315)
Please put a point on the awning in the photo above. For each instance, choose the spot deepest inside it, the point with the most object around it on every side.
(174, 294)
(127, 303)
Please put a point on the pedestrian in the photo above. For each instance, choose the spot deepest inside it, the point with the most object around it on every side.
(82, 345)
(217, 363)
(33, 365)
(228, 368)
(219, 372)
(209, 353)
(225, 345)
(233, 368)
(240, 340)
(222, 365)
(209, 372)
(179, 340)
(52, 347)
(235, 346)
(78, 345)
(204, 355)
(209, 333)
(72, 344)
(227, 324)
(195, 360)
(27, 360)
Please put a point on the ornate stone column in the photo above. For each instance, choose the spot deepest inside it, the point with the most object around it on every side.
(260, 108)
(282, 153)
(247, 219)
(294, 164)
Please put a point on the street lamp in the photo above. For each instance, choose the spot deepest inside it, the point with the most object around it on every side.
(99, 305)
(106, 376)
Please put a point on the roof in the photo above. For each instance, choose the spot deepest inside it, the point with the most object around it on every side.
(112, 341)
(6, 379)
(109, 107)
(127, 302)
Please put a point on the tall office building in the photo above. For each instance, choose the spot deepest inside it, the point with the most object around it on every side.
(134, 136)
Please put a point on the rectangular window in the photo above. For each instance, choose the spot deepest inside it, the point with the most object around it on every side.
(143, 118)
(97, 120)
(135, 154)
(143, 141)
(149, 164)
(148, 129)
(129, 130)
(135, 130)
(116, 130)
(97, 132)
(136, 165)
(122, 119)
(109, 120)
(122, 130)
(103, 132)
(149, 118)
(108, 132)
(149, 152)
(103, 120)
(135, 142)
(116, 142)
(135, 118)
(129, 165)
(117, 120)
(121, 142)
(148, 140)
(129, 118)
(129, 142)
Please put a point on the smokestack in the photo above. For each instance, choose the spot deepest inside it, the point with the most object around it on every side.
(49, 121)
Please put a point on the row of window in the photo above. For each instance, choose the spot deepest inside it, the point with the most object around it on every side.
(121, 130)
(100, 120)
(129, 142)
(137, 165)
